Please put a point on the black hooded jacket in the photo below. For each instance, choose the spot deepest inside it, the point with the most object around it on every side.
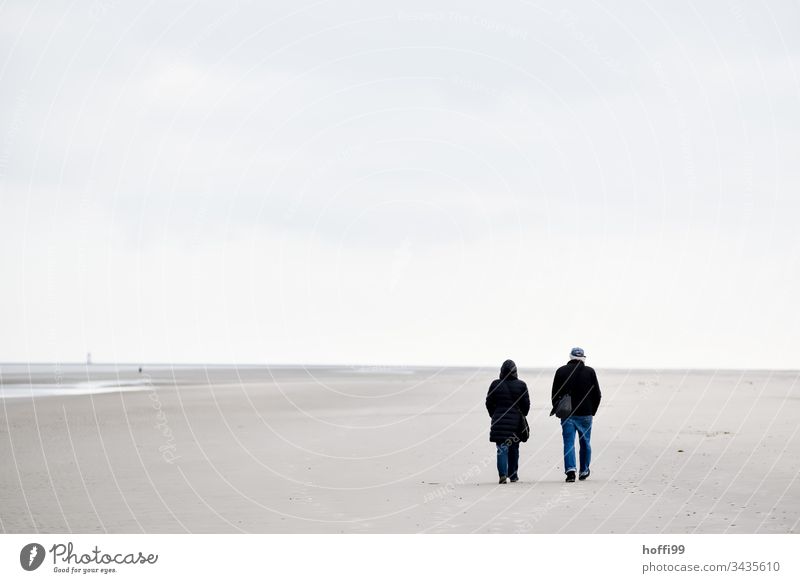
(506, 401)
(580, 382)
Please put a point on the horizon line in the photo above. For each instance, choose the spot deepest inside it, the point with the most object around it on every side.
(374, 365)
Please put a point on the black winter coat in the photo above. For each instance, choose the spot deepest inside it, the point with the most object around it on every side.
(580, 382)
(506, 401)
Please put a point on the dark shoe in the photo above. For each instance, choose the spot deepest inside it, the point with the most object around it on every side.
(570, 476)
(582, 477)
(502, 479)
(514, 479)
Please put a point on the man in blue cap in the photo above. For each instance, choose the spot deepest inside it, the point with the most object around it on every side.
(579, 382)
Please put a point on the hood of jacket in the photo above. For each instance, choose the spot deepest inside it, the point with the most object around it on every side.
(508, 370)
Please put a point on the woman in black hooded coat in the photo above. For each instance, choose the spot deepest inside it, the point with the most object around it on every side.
(508, 403)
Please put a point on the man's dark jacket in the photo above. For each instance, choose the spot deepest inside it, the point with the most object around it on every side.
(506, 402)
(580, 382)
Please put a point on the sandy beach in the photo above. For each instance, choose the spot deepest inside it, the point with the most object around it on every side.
(384, 449)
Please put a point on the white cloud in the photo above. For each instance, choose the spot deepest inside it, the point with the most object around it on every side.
(347, 183)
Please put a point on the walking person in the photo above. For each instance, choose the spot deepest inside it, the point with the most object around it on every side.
(508, 403)
(576, 397)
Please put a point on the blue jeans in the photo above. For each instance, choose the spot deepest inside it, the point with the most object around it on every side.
(582, 425)
(508, 458)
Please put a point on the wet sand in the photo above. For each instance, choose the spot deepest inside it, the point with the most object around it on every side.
(365, 449)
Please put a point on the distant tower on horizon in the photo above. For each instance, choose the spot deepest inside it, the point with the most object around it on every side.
(88, 358)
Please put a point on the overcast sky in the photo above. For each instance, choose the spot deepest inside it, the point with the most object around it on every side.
(375, 182)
